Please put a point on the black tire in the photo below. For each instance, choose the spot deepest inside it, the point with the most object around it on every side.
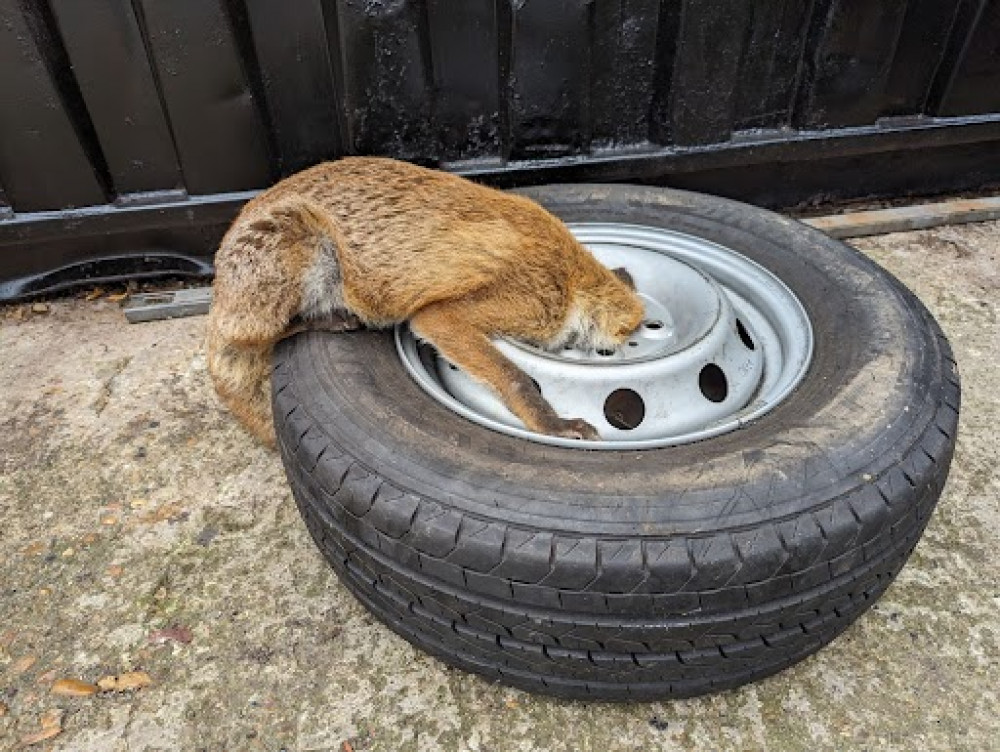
(645, 574)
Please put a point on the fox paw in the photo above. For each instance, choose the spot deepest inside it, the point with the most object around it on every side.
(575, 428)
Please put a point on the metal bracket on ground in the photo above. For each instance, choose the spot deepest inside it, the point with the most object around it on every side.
(170, 304)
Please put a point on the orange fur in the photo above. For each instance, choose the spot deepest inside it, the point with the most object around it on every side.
(386, 241)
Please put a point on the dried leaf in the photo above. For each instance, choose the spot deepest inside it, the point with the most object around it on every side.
(124, 682)
(109, 520)
(3, 710)
(48, 677)
(346, 747)
(170, 512)
(51, 722)
(171, 634)
(7, 638)
(73, 688)
(41, 736)
(34, 549)
(22, 664)
(94, 294)
(117, 297)
(115, 570)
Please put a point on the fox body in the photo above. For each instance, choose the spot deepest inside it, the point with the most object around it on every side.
(375, 242)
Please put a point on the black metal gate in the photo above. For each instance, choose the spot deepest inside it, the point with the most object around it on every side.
(131, 130)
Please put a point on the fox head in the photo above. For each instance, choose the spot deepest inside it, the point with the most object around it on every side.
(604, 311)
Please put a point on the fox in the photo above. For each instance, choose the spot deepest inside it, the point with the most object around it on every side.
(371, 242)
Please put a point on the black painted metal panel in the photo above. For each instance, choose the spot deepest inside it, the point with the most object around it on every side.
(293, 55)
(920, 52)
(771, 66)
(623, 71)
(156, 111)
(975, 86)
(705, 72)
(217, 126)
(668, 25)
(550, 78)
(104, 44)
(44, 163)
(852, 62)
(463, 41)
(387, 78)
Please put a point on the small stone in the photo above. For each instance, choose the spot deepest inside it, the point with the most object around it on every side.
(3, 710)
(39, 308)
(206, 536)
(114, 570)
(109, 520)
(68, 552)
(659, 723)
(176, 633)
(73, 688)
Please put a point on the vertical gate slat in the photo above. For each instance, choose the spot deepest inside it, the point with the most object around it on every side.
(217, 127)
(105, 47)
(294, 58)
(464, 50)
(43, 162)
(770, 69)
(974, 87)
(706, 72)
(550, 78)
(623, 70)
(387, 91)
(852, 62)
(668, 25)
(919, 54)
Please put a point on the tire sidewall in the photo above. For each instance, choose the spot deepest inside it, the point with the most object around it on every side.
(865, 399)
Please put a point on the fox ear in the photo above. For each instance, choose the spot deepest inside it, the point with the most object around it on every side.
(622, 273)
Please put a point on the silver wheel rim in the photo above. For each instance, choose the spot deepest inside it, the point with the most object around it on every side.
(723, 342)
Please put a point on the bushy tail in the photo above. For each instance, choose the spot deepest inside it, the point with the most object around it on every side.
(241, 375)
(260, 273)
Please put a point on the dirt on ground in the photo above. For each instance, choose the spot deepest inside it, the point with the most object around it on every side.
(159, 590)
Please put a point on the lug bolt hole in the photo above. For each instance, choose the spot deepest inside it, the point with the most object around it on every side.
(624, 409)
(605, 353)
(654, 324)
(745, 335)
(713, 384)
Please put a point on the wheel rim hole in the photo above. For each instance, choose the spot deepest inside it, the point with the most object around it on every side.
(633, 343)
(745, 335)
(624, 409)
(538, 387)
(653, 324)
(605, 353)
(713, 384)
